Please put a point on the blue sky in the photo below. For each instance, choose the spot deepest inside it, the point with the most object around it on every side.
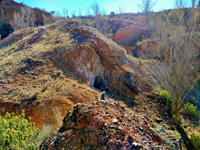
(82, 5)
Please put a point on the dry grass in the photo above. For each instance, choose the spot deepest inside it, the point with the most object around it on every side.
(43, 82)
(44, 133)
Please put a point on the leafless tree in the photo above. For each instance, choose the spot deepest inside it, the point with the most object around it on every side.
(179, 3)
(87, 11)
(73, 14)
(146, 7)
(17, 21)
(103, 12)
(23, 19)
(29, 16)
(65, 12)
(52, 13)
(121, 10)
(184, 3)
(58, 14)
(96, 9)
(79, 12)
(177, 68)
(193, 3)
(105, 27)
(45, 19)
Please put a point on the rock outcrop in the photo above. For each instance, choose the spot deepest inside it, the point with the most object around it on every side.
(103, 125)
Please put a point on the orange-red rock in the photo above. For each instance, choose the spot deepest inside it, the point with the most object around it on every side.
(99, 132)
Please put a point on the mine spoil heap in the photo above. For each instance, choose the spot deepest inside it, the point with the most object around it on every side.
(103, 125)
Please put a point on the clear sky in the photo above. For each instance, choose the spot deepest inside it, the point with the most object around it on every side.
(82, 5)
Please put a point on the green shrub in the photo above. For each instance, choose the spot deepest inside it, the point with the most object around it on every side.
(175, 15)
(163, 95)
(192, 101)
(16, 132)
(140, 61)
(190, 111)
(172, 17)
(195, 141)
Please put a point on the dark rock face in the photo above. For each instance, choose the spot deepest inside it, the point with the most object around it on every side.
(98, 62)
(5, 30)
(103, 125)
(128, 80)
(99, 83)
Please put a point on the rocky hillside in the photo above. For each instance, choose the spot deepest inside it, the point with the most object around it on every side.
(106, 125)
(44, 69)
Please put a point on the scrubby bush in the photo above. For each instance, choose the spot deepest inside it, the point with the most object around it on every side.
(172, 17)
(192, 101)
(163, 95)
(176, 16)
(140, 61)
(16, 132)
(195, 141)
(190, 111)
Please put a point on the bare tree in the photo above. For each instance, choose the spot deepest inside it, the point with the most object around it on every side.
(103, 12)
(58, 14)
(184, 3)
(146, 7)
(52, 13)
(193, 3)
(17, 21)
(177, 68)
(87, 11)
(23, 19)
(73, 14)
(179, 3)
(65, 12)
(121, 10)
(79, 12)
(96, 9)
(105, 27)
(45, 19)
(29, 16)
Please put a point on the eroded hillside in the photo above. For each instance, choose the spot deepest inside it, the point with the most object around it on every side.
(64, 63)
(46, 71)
